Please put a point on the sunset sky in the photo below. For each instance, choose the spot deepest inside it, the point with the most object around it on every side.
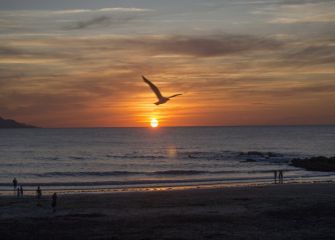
(78, 63)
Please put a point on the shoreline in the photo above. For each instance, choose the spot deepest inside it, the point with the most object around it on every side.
(105, 189)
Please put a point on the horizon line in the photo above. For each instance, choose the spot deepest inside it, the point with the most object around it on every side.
(199, 126)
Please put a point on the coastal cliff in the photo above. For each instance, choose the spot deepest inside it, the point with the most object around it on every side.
(9, 123)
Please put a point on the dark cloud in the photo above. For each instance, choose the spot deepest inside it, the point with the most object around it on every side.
(315, 54)
(209, 46)
(119, 17)
(308, 90)
(221, 45)
(310, 55)
(33, 52)
(95, 53)
(9, 51)
(101, 21)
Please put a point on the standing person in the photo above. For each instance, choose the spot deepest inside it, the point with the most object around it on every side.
(54, 202)
(281, 177)
(38, 192)
(14, 183)
(275, 176)
(21, 191)
(39, 196)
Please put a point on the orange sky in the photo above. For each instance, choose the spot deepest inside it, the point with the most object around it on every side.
(269, 63)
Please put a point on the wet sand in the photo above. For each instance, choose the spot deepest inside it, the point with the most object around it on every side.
(289, 211)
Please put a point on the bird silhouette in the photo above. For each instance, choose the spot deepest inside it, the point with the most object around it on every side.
(161, 98)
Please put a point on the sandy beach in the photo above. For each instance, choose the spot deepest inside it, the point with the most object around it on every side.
(289, 211)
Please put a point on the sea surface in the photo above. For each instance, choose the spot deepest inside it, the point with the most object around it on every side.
(146, 157)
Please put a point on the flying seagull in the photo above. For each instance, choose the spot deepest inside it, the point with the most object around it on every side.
(161, 98)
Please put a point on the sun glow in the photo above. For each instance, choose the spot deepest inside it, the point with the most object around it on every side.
(154, 123)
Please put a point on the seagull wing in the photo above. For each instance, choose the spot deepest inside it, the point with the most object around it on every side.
(175, 95)
(153, 88)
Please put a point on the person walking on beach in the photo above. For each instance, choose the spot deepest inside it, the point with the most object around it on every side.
(14, 183)
(281, 177)
(275, 176)
(54, 202)
(21, 191)
(39, 196)
(38, 192)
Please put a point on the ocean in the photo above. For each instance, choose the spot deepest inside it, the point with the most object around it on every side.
(125, 158)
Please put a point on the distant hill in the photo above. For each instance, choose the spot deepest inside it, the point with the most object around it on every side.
(9, 123)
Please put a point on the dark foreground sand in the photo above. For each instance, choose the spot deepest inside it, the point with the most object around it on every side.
(305, 211)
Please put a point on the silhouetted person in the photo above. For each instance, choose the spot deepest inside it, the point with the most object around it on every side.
(275, 176)
(54, 202)
(21, 191)
(14, 183)
(38, 192)
(39, 196)
(281, 177)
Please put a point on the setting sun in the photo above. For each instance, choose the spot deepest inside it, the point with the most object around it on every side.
(154, 123)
